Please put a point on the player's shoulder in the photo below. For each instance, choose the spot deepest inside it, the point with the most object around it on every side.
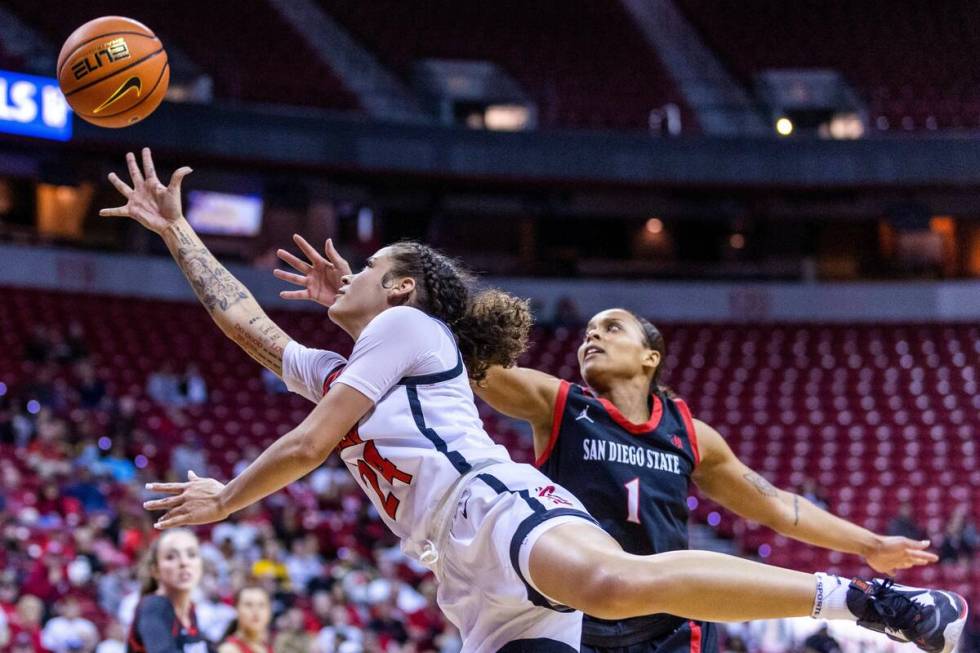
(154, 604)
(404, 320)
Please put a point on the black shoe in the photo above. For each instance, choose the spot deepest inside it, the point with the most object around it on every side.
(932, 619)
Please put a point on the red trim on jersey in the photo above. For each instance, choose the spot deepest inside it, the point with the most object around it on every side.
(695, 637)
(331, 378)
(692, 434)
(560, 402)
(656, 414)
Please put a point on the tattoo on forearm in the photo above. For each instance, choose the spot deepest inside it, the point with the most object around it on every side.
(764, 487)
(218, 290)
(796, 510)
(263, 341)
(212, 283)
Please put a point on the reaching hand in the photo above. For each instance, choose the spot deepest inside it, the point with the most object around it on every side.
(320, 279)
(149, 202)
(894, 553)
(198, 501)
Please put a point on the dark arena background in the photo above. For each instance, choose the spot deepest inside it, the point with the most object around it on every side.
(790, 190)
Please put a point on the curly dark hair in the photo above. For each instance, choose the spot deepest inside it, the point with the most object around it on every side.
(491, 326)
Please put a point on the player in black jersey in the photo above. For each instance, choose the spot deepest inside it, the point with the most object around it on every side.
(165, 621)
(628, 449)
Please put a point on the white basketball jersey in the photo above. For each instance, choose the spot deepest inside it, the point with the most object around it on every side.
(424, 431)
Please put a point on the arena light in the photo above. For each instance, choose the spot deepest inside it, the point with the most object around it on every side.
(655, 225)
(784, 126)
(506, 117)
(737, 241)
(846, 126)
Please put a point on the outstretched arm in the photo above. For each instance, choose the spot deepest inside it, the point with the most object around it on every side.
(727, 480)
(524, 394)
(288, 459)
(230, 304)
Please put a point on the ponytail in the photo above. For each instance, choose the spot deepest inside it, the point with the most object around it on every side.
(149, 584)
(492, 326)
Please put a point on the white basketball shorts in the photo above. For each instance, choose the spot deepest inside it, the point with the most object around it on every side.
(484, 584)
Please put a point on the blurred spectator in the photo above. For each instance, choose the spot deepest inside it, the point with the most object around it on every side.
(86, 490)
(810, 491)
(304, 562)
(115, 639)
(272, 383)
(91, 389)
(242, 534)
(336, 630)
(77, 348)
(193, 387)
(250, 454)
(4, 629)
(387, 621)
(163, 386)
(566, 313)
(69, 631)
(123, 419)
(904, 524)
(292, 636)
(60, 350)
(117, 465)
(189, 456)
(7, 430)
(271, 564)
(37, 349)
(821, 642)
(249, 632)
(25, 623)
(213, 615)
(734, 644)
(960, 537)
(42, 387)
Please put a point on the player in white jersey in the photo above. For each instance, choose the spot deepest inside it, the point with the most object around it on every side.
(508, 548)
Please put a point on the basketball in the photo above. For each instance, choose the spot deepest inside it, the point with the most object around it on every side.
(113, 71)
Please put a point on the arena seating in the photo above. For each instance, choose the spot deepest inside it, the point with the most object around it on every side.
(250, 52)
(549, 47)
(875, 414)
(912, 61)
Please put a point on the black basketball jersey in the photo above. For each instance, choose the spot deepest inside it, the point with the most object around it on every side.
(156, 627)
(633, 478)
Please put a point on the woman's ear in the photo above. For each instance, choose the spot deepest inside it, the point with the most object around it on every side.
(652, 358)
(401, 290)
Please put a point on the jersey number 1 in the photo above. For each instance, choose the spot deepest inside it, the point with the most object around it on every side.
(633, 501)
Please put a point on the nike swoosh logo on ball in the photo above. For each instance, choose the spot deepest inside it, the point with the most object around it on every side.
(128, 85)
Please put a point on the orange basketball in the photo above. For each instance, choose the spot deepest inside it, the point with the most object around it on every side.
(113, 71)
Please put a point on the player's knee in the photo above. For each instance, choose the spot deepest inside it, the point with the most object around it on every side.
(620, 591)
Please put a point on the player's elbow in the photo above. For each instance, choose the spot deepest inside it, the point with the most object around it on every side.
(308, 446)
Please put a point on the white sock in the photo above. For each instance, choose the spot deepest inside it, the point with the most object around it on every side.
(831, 599)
